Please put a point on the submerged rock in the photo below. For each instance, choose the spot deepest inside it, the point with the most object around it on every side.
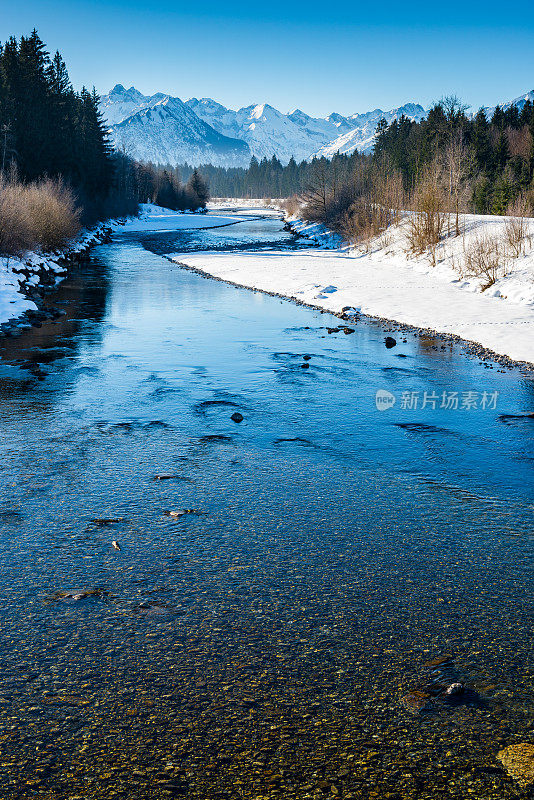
(518, 761)
(77, 594)
(415, 701)
(237, 417)
(152, 607)
(180, 512)
(390, 342)
(436, 662)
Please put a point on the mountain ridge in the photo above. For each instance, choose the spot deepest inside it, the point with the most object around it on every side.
(165, 129)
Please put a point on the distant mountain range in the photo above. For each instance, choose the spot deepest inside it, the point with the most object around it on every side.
(165, 130)
(519, 102)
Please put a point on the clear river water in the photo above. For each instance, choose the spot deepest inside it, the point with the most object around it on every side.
(338, 566)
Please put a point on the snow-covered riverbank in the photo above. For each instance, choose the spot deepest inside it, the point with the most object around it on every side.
(23, 279)
(384, 283)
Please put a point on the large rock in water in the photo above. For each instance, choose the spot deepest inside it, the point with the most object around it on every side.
(518, 761)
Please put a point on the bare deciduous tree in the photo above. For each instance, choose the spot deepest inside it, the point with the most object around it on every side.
(319, 189)
(458, 161)
(517, 227)
(427, 216)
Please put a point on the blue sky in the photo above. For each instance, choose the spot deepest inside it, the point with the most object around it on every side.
(322, 57)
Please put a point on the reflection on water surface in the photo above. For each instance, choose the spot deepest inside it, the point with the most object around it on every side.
(280, 640)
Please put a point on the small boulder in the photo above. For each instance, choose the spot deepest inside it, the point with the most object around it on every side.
(390, 342)
(180, 512)
(237, 417)
(454, 690)
(77, 594)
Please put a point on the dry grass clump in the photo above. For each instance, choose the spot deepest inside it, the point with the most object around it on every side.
(15, 222)
(40, 215)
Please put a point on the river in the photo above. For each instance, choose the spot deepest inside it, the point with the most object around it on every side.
(278, 639)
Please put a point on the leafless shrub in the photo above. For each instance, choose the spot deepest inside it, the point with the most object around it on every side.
(326, 199)
(427, 218)
(486, 257)
(364, 220)
(389, 192)
(520, 142)
(292, 205)
(319, 192)
(516, 229)
(40, 215)
(53, 213)
(375, 209)
(15, 223)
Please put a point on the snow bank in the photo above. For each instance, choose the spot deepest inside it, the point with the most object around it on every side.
(385, 283)
(517, 286)
(258, 204)
(318, 233)
(156, 218)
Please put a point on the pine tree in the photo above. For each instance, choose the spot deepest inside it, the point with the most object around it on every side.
(198, 188)
(481, 142)
(32, 112)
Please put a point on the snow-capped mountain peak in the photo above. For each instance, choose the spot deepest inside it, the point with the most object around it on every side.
(298, 116)
(359, 133)
(259, 110)
(164, 129)
(519, 102)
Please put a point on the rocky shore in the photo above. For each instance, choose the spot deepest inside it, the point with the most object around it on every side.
(348, 314)
(26, 282)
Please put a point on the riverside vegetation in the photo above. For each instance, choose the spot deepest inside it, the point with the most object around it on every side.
(58, 171)
(424, 175)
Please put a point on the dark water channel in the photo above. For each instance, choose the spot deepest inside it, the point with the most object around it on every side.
(267, 644)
